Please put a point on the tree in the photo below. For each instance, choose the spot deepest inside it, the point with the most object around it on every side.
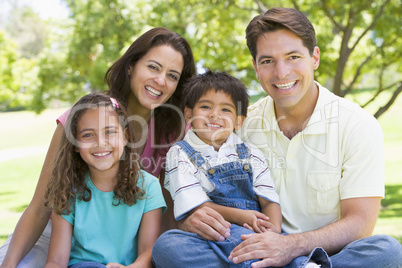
(359, 48)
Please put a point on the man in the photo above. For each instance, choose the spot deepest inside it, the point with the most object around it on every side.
(325, 155)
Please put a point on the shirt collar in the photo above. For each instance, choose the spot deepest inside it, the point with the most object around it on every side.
(202, 147)
(317, 123)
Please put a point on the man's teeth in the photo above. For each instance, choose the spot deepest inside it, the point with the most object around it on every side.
(286, 85)
(213, 125)
(153, 91)
(101, 154)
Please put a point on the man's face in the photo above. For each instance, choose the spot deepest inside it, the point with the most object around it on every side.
(285, 69)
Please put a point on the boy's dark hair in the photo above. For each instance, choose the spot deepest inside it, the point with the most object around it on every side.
(280, 18)
(200, 84)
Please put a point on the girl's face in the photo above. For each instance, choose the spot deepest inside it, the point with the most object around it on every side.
(154, 78)
(101, 140)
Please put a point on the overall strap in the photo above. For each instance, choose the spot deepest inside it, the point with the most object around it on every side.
(243, 153)
(195, 157)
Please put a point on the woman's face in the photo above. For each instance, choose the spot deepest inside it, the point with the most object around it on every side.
(155, 77)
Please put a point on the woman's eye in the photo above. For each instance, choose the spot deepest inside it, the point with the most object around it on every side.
(153, 67)
(174, 77)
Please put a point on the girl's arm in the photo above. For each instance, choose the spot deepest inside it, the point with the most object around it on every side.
(34, 219)
(60, 242)
(147, 235)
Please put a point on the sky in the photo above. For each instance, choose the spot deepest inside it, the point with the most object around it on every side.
(46, 9)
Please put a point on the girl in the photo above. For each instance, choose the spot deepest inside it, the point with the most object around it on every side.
(97, 193)
(149, 75)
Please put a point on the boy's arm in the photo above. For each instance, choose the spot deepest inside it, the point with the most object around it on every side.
(273, 211)
(60, 242)
(238, 216)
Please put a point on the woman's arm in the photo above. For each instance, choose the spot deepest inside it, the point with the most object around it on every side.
(60, 242)
(34, 219)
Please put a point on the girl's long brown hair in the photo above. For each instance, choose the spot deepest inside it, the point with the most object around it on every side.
(67, 182)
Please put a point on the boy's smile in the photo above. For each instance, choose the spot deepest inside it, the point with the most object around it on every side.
(214, 117)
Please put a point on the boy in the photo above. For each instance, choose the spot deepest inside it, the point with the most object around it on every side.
(212, 167)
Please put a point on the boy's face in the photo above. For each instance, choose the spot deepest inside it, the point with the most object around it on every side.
(214, 117)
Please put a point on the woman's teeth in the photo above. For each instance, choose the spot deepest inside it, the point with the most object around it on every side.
(153, 92)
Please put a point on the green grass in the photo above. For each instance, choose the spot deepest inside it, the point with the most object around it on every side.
(31, 134)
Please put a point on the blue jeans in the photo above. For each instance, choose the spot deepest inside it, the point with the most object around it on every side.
(176, 248)
(87, 264)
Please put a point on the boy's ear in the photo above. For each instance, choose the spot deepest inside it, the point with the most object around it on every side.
(239, 121)
(188, 113)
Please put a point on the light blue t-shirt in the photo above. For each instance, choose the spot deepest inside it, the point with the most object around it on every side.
(106, 233)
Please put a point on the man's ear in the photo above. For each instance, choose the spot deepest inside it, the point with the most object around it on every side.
(316, 58)
(239, 121)
(188, 113)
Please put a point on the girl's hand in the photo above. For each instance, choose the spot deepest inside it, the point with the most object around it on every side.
(114, 265)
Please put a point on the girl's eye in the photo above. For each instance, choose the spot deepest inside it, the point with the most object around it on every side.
(205, 107)
(226, 110)
(109, 132)
(87, 135)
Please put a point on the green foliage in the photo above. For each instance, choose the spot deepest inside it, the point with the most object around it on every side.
(359, 41)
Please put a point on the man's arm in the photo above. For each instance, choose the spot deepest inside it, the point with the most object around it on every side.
(359, 216)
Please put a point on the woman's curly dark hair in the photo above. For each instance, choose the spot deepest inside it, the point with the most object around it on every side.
(67, 182)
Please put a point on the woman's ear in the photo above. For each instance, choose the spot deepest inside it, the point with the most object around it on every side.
(239, 121)
(188, 113)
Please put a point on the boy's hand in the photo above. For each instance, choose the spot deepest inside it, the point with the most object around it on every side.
(253, 220)
(264, 226)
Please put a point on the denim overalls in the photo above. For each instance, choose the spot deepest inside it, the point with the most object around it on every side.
(233, 181)
(233, 187)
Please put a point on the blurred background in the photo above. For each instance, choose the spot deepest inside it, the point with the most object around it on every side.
(52, 52)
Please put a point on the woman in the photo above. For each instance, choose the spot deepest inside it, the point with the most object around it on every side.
(148, 80)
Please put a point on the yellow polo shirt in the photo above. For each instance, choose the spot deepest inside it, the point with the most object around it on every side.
(339, 155)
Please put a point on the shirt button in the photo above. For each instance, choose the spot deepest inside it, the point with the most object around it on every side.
(290, 156)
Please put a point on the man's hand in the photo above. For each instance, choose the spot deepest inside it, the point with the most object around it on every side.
(207, 223)
(273, 249)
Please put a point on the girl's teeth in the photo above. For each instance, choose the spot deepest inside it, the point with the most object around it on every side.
(211, 125)
(286, 85)
(153, 91)
(101, 154)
